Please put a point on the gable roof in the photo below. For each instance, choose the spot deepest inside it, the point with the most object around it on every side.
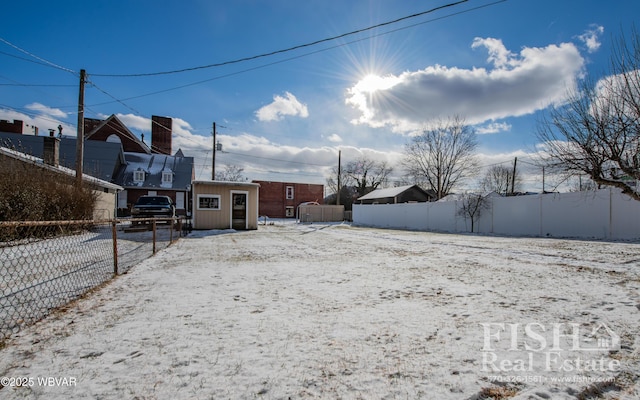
(153, 166)
(113, 126)
(386, 192)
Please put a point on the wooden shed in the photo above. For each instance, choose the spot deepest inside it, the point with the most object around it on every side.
(225, 205)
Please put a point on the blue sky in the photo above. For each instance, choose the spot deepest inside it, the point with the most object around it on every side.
(284, 117)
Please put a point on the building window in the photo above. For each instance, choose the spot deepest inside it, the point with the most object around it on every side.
(208, 202)
(289, 212)
(167, 177)
(138, 176)
(289, 192)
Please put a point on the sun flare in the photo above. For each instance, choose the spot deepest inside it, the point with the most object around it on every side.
(372, 83)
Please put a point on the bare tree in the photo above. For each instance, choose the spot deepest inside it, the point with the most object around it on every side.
(332, 180)
(498, 178)
(472, 207)
(443, 156)
(346, 191)
(358, 178)
(366, 174)
(597, 132)
(231, 173)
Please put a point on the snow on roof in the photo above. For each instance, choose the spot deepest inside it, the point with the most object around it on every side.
(60, 169)
(225, 183)
(384, 193)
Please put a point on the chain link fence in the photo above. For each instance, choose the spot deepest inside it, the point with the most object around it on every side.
(44, 265)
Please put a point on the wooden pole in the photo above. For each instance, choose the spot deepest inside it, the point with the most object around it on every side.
(114, 234)
(339, 173)
(513, 177)
(153, 227)
(213, 160)
(80, 138)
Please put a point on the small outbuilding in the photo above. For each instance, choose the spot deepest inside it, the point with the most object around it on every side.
(225, 205)
(400, 194)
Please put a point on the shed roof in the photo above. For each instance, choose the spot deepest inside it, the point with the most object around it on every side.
(225, 183)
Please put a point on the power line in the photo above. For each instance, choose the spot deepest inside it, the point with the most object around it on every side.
(35, 85)
(295, 57)
(42, 60)
(287, 49)
(274, 159)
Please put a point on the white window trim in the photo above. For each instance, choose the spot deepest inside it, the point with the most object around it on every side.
(167, 177)
(137, 174)
(289, 193)
(210, 196)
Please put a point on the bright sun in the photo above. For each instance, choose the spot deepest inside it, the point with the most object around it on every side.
(372, 83)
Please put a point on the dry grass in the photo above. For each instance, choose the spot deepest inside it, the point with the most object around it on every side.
(497, 393)
(31, 193)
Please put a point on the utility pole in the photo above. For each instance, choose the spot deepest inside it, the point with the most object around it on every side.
(513, 177)
(339, 173)
(213, 160)
(80, 138)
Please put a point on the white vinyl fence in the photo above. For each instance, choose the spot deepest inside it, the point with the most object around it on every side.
(602, 214)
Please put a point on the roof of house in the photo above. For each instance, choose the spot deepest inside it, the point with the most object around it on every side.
(386, 192)
(113, 126)
(100, 159)
(153, 166)
(17, 155)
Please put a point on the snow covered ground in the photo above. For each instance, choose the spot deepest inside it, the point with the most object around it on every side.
(334, 311)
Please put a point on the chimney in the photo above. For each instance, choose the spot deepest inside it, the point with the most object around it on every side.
(12, 127)
(51, 149)
(161, 135)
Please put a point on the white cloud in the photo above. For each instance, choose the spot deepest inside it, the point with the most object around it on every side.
(44, 119)
(281, 107)
(494, 127)
(135, 122)
(48, 111)
(335, 138)
(514, 85)
(591, 37)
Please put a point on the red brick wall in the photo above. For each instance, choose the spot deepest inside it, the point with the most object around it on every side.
(11, 127)
(273, 200)
(113, 128)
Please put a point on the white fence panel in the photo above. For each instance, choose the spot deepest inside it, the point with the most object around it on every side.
(604, 214)
(625, 217)
(580, 214)
(516, 215)
(442, 216)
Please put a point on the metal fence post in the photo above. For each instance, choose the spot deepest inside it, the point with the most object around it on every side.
(171, 231)
(154, 235)
(115, 247)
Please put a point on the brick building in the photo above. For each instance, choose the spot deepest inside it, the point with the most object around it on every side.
(280, 199)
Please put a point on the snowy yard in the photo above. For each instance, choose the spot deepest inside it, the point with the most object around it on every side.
(333, 311)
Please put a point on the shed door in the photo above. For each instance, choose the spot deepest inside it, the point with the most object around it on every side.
(239, 211)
